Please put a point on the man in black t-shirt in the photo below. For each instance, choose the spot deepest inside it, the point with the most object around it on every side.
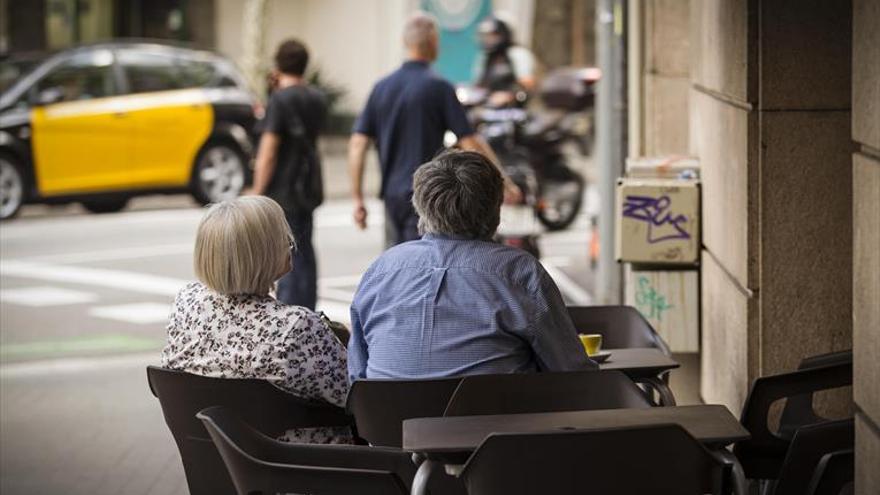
(287, 153)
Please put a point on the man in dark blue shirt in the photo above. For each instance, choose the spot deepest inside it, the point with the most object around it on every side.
(407, 115)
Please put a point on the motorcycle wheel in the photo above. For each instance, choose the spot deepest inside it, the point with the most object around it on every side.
(560, 202)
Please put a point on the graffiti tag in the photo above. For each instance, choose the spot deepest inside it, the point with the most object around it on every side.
(650, 303)
(655, 212)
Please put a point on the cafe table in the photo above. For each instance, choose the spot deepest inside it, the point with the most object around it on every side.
(450, 440)
(644, 365)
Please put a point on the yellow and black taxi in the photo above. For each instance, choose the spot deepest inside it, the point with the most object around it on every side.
(102, 123)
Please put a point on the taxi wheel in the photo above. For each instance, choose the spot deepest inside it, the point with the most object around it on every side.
(105, 205)
(219, 173)
(11, 187)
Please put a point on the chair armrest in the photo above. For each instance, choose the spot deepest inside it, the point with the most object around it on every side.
(834, 471)
(767, 390)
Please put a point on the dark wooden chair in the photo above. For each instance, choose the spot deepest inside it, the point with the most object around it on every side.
(762, 456)
(809, 446)
(268, 408)
(380, 406)
(545, 392)
(654, 459)
(260, 465)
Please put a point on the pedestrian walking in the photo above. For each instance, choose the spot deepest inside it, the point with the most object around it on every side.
(288, 166)
(406, 116)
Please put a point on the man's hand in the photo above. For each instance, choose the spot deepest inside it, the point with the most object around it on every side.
(357, 153)
(360, 215)
(251, 192)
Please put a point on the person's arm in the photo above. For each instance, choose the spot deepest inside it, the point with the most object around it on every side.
(475, 142)
(267, 151)
(264, 166)
(552, 334)
(357, 155)
(315, 363)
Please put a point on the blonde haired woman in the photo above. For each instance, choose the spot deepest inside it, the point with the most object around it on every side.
(227, 325)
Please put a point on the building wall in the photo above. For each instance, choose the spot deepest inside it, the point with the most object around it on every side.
(353, 42)
(774, 146)
(866, 240)
(665, 77)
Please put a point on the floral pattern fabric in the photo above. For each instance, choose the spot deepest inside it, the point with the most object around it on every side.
(247, 336)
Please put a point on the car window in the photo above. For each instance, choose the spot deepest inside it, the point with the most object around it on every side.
(150, 71)
(197, 73)
(84, 76)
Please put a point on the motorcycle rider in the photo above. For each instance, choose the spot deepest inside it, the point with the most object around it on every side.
(505, 69)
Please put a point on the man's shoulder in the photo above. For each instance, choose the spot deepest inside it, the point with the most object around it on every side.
(298, 93)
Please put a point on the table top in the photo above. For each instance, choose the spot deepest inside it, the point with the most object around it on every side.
(639, 362)
(710, 424)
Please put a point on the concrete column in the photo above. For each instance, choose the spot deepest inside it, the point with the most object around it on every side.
(665, 77)
(770, 121)
(866, 240)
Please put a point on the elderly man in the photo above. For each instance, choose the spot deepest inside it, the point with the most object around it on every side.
(407, 114)
(455, 303)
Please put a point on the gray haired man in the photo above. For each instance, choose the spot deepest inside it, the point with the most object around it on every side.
(455, 303)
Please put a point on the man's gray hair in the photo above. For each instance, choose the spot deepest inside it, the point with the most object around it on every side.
(419, 30)
(458, 193)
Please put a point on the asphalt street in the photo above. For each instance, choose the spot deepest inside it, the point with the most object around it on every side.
(83, 304)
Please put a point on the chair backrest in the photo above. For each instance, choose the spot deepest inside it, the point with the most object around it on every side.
(380, 406)
(261, 465)
(762, 455)
(798, 410)
(653, 459)
(261, 404)
(545, 392)
(809, 445)
(621, 327)
(834, 475)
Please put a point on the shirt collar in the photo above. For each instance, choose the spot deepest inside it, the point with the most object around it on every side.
(416, 64)
(446, 237)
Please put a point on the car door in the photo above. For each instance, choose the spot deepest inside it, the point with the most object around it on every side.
(171, 119)
(82, 138)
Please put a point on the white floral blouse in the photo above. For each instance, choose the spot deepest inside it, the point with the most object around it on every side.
(245, 336)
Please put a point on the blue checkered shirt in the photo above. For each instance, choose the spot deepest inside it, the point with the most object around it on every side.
(444, 306)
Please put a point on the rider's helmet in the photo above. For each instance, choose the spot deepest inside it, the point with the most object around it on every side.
(495, 35)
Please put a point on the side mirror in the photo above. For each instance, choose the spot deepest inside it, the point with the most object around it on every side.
(48, 96)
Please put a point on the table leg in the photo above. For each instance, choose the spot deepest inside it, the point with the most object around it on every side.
(420, 482)
(666, 397)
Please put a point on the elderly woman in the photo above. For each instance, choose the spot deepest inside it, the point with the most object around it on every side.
(228, 325)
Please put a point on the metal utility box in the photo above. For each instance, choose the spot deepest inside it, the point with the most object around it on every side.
(670, 301)
(658, 221)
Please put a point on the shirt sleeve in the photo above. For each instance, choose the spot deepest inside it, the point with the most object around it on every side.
(523, 61)
(366, 122)
(454, 117)
(314, 362)
(357, 348)
(553, 336)
(274, 120)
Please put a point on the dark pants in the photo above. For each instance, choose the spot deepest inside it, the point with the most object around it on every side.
(300, 285)
(401, 221)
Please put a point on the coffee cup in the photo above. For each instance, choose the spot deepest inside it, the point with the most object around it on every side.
(592, 343)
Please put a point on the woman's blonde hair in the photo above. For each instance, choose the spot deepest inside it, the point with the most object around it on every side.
(242, 246)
